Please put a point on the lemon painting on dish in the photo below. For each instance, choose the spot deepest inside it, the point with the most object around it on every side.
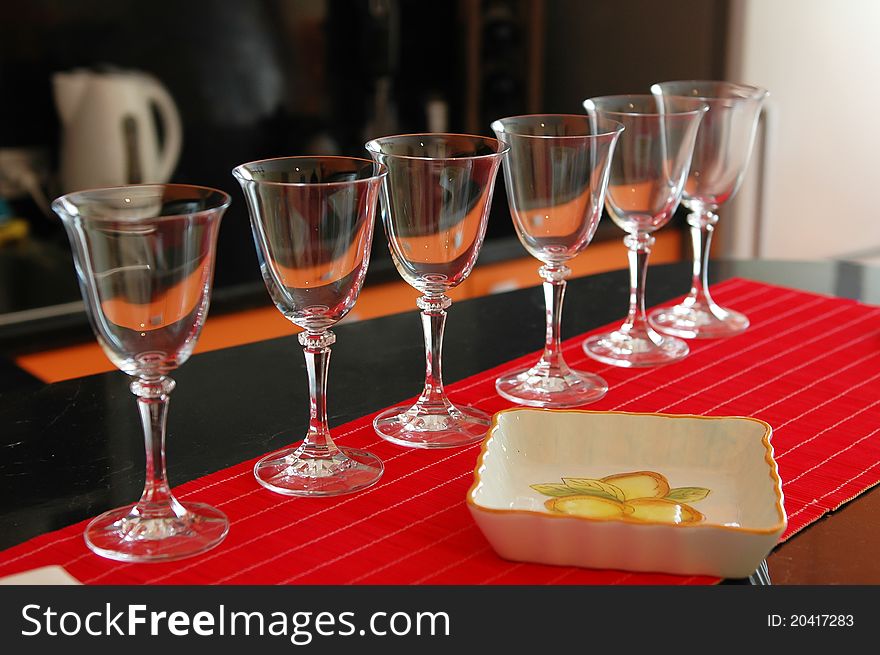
(641, 496)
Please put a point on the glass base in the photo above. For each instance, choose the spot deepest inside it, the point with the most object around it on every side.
(287, 472)
(635, 349)
(698, 321)
(123, 535)
(539, 387)
(442, 426)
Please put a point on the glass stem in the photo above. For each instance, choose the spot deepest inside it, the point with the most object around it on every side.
(433, 324)
(554, 293)
(318, 444)
(152, 397)
(639, 245)
(702, 224)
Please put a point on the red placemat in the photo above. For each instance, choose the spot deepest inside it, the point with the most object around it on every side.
(808, 365)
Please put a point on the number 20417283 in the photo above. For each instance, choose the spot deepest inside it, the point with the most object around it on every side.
(810, 621)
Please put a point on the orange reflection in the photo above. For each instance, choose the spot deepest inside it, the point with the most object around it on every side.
(445, 245)
(166, 309)
(639, 196)
(304, 276)
(559, 220)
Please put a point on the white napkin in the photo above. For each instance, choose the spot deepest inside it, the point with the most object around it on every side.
(46, 575)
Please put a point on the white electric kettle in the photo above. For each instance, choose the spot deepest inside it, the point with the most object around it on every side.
(110, 136)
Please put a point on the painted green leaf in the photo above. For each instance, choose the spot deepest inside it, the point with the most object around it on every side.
(687, 494)
(590, 487)
(554, 490)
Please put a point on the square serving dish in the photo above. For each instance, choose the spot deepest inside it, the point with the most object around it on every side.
(693, 495)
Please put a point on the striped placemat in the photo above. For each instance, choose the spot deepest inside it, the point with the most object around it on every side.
(809, 365)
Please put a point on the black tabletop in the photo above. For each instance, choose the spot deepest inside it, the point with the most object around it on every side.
(73, 449)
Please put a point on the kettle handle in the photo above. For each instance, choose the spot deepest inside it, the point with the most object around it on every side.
(172, 127)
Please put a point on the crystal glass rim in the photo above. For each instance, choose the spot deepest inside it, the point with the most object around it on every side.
(616, 127)
(701, 109)
(752, 92)
(501, 147)
(61, 204)
(383, 170)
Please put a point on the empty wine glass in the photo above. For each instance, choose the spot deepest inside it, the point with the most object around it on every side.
(312, 220)
(144, 257)
(556, 173)
(721, 154)
(435, 204)
(648, 171)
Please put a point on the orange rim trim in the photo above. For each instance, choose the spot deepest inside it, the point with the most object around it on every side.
(768, 458)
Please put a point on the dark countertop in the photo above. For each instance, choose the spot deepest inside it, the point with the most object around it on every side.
(73, 449)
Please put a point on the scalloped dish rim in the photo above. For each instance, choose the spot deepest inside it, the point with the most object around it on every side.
(778, 528)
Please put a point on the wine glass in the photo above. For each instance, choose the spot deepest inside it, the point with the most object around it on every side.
(721, 154)
(312, 220)
(144, 257)
(435, 204)
(648, 171)
(555, 173)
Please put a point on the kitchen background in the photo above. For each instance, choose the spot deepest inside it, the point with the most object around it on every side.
(264, 78)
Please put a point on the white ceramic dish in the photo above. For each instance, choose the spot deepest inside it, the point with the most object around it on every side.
(704, 495)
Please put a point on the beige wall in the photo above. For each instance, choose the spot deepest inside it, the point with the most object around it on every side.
(820, 59)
